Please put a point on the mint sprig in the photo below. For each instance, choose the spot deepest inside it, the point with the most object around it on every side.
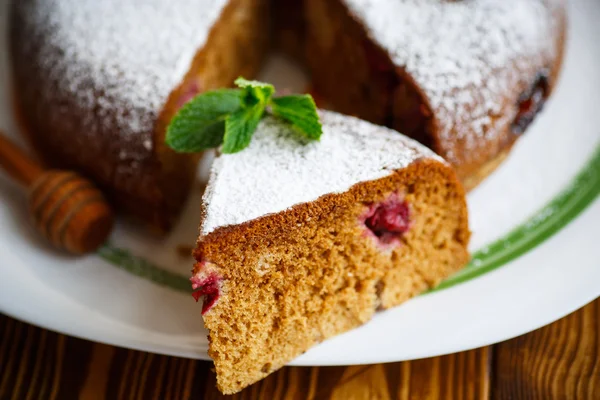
(230, 117)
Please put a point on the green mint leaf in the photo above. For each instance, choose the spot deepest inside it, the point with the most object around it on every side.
(240, 126)
(301, 112)
(200, 124)
(255, 91)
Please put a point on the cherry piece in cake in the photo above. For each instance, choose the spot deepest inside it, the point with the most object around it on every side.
(188, 92)
(206, 284)
(389, 219)
(531, 103)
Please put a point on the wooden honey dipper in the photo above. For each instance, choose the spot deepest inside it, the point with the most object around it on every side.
(67, 209)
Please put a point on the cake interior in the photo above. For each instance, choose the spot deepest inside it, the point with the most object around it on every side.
(236, 46)
(339, 50)
(288, 28)
(275, 286)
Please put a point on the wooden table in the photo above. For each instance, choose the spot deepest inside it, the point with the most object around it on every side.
(560, 361)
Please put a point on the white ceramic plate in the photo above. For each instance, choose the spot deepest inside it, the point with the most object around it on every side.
(522, 280)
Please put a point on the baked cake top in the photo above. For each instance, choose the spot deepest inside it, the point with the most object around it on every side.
(465, 55)
(280, 169)
(120, 57)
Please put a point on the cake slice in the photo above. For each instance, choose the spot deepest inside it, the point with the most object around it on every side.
(303, 241)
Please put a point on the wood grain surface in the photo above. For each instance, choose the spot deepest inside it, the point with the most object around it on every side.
(560, 361)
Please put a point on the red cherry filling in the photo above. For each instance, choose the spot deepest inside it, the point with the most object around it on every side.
(207, 287)
(189, 92)
(388, 220)
(531, 103)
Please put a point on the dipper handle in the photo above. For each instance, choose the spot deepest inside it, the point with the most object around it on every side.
(67, 209)
(17, 164)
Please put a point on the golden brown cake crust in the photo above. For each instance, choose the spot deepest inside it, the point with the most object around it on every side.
(295, 278)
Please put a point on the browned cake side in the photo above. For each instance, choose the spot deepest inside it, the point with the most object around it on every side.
(236, 47)
(291, 280)
(354, 82)
(358, 78)
(288, 27)
(159, 180)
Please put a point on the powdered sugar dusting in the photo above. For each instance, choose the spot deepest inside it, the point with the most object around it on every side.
(466, 55)
(119, 58)
(278, 169)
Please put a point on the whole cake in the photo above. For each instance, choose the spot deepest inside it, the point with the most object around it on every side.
(302, 241)
(96, 82)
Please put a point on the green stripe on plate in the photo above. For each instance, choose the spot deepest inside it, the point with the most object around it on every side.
(580, 193)
(143, 268)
